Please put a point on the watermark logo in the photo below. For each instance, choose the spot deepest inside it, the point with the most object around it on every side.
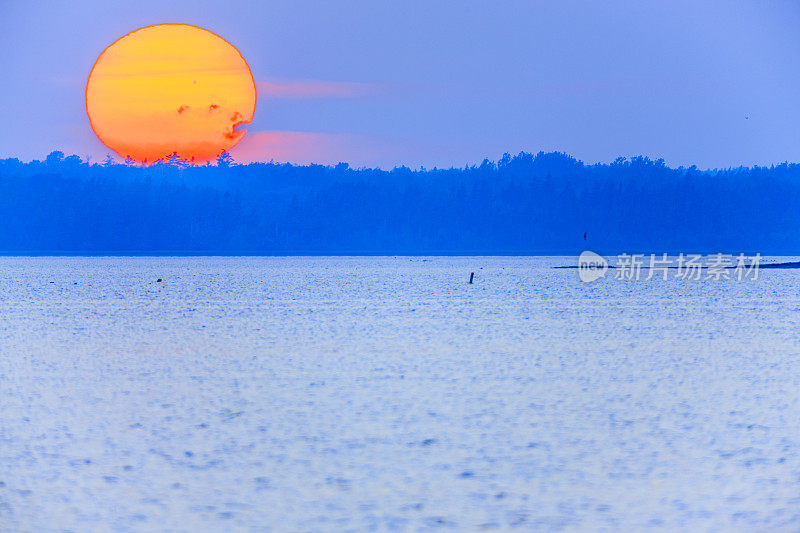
(695, 267)
(591, 266)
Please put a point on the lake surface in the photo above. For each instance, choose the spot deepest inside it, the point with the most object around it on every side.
(338, 394)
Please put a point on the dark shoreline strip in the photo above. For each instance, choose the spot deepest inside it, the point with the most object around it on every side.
(793, 264)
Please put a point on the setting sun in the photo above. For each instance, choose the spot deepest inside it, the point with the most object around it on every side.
(170, 89)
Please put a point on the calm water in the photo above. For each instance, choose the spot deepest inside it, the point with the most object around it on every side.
(336, 394)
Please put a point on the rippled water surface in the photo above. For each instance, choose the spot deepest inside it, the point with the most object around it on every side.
(336, 394)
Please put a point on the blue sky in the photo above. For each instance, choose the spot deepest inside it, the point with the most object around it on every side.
(441, 83)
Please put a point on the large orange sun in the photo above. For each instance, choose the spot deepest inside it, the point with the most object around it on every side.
(170, 89)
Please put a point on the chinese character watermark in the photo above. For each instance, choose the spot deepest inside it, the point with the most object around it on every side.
(694, 267)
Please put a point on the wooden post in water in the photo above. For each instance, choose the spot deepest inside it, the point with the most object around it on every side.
(471, 275)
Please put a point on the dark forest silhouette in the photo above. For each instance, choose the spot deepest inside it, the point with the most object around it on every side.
(526, 204)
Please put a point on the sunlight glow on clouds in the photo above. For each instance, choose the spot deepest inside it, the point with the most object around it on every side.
(298, 147)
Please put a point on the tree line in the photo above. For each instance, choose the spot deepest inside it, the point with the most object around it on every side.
(524, 204)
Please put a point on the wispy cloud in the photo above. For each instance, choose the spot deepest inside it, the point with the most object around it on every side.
(315, 89)
(298, 147)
